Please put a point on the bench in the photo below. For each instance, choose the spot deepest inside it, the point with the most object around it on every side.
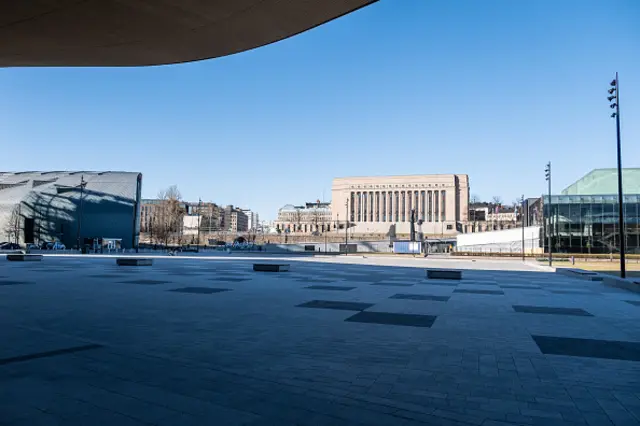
(580, 273)
(133, 261)
(444, 274)
(19, 257)
(270, 267)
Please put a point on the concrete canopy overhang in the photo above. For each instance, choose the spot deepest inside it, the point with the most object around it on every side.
(151, 32)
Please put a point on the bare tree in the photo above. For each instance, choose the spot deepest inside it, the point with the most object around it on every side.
(474, 199)
(168, 216)
(297, 218)
(497, 200)
(13, 225)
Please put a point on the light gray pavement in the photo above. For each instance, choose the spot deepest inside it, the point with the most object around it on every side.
(85, 342)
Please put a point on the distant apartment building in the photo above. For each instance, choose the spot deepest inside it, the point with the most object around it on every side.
(307, 218)
(253, 220)
(234, 220)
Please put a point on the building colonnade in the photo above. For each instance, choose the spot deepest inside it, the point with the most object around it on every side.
(396, 206)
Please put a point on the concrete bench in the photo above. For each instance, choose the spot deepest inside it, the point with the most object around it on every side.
(133, 261)
(19, 257)
(580, 273)
(444, 274)
(270, 267)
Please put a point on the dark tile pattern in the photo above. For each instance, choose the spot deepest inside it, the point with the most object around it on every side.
(332, 304)
(10, 282)
(589, 348)
(420, 297)
(145, 282)
(390, 284)
(551, 310)
(329, 287)
(199, 290)
(521, 287)
(388, 318)
(582, 292)
(474, 291)
(28, 357)
(229, 279)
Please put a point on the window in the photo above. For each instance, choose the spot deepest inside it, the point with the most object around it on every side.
(351, 207)
(430, 202)
(396, 209)
(377, 206)
(422, 202)
(364, 205)
(384, 206)
(450, 227)
(443, 204)
(436, 211)
(404, 205)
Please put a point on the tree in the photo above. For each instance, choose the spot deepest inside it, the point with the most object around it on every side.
(297, 218)
(168, 215)
(474, 199)
(13, 225)
(497, 200)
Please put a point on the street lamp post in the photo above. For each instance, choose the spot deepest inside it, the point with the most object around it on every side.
(82, 185)
(547, 173)
(346, 230)
(522, 220)
(614, 91)
(199, 206)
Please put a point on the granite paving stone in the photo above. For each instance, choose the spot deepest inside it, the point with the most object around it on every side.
(510, 344)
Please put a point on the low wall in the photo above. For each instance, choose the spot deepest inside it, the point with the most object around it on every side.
(362, 247)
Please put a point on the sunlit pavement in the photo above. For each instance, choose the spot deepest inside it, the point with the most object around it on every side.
(335, 341)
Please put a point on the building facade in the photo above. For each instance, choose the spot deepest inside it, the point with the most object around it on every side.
(69, 207)
(234, 220)
(306, 219)
(383, 204)
(584, 217)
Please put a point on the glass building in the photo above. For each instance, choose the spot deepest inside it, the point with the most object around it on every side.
(584, 218)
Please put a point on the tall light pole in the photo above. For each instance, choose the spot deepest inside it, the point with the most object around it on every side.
(547, 174)
(522, 220)
(82, 185)
(614, 91)
(199, 207)
(346, 230)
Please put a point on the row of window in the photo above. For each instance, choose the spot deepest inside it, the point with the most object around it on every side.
(396, 206)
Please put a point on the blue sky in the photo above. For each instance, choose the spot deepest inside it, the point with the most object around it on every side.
(493, 89)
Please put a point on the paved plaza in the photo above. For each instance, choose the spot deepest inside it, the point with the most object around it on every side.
(334, 341)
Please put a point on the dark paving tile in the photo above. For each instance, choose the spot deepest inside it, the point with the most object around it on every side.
(9, 282)
(387, 318)
(314, 280)
(28, 357)
(332, 304)
(633, 302)
(522, 287)
(473, 291)
(551, 310)
(229, 279)
(589, 348)
(107, 276)
(145, 282)
(199, 290)
(440, 283)
(584, 292)
(329, 287)
(420, 297)
(389, 284)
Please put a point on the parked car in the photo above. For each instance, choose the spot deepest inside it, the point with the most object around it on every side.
(31, 246)
(10, 246)
(55, 245)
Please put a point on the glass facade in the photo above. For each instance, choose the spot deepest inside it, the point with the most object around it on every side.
(589, 223)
